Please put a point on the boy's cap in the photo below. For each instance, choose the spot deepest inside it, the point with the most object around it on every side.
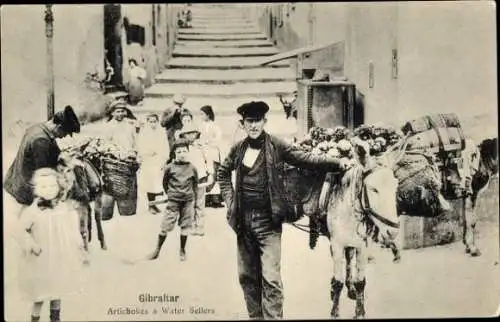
(188, 129)
(180, 143)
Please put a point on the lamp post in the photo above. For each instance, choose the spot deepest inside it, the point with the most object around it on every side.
(49, 32)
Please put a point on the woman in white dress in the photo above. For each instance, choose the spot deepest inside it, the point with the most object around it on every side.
(53, 254)
(136, 82)
(153, 153)
(211, 137)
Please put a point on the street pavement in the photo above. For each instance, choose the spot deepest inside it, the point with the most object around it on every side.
(437, 281)
(430, 282)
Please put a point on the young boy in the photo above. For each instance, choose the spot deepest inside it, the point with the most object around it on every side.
(198, 156)
(180, 182)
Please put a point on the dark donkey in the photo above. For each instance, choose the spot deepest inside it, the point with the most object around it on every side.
(86, 185)
(481, 164)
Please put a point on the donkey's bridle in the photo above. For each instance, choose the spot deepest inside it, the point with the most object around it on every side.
(367, 209)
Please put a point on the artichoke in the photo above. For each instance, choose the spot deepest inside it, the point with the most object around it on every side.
(344, 145)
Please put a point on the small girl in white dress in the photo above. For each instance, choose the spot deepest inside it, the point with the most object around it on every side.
(53, 248)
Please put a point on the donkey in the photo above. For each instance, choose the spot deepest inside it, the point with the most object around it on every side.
(362, 205)
(85, 185)
(480, 165)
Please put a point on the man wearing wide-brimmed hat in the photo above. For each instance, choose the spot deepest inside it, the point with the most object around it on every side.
(257, 206)
(38, 149)
(120, 130)
(171, 118)
(199, 157)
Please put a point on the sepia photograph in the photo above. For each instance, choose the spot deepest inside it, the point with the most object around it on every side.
(250, 161)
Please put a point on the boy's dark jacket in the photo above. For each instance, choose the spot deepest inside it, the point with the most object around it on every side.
(277, 153)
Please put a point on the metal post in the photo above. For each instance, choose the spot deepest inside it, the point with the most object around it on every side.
(49, 32)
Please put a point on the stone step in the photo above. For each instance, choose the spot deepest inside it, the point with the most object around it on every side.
(217, 14)
(182, 51)
(234, 14)
(223, 25)
(222, 91)
(221, 37)
(221, 63)
(226, 21)
(225, 106)
(249, 43)
(222, 31)
(225, 76)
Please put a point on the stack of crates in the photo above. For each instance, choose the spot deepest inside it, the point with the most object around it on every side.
(418, 232)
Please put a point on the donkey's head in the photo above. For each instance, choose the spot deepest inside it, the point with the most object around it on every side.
(378, 196)
(488, 150)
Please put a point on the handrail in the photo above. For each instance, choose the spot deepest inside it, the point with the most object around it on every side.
(296, 52)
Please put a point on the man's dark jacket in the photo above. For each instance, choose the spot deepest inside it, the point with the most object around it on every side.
(277, 153)
(38, 149)
(171, 120)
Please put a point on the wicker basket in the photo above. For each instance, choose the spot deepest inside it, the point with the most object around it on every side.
(119, 176)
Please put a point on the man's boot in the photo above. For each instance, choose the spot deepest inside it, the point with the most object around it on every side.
(156, 253)
(335, 291)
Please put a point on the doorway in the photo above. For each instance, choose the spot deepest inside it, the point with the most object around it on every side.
(113, 46)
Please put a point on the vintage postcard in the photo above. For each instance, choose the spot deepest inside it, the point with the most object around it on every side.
(234, 161)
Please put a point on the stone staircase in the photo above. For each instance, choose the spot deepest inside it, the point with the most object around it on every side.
(217, 62)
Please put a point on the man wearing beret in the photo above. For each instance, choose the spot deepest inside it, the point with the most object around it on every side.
(257, 208)
(38, 149)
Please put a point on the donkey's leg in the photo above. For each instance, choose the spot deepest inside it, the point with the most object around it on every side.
(89, 223)
(84, 219)
(349, 253)
(395, 252)
(98, 222)
(470, 228)
(100, 232)
(337, 283)
(360, 283)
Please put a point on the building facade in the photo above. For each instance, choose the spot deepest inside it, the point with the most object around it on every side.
(407, 59)
(86, 39)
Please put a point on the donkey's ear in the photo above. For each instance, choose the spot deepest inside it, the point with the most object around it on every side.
(361, 151)
(396, 152)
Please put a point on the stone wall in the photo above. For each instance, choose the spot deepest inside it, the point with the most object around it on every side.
(77, 49)
(446, 55)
